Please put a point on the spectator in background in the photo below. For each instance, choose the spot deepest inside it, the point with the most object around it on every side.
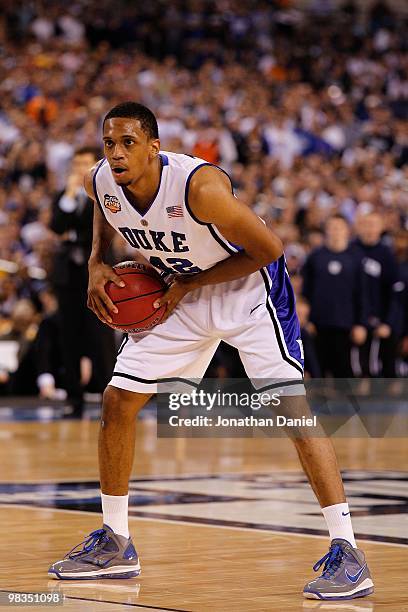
(36, 351)
(8, 296)
(22, 330)
(382, 297)
(331, 283)
(401, 254)
(81, 332)
(206, 146)
(48, 354)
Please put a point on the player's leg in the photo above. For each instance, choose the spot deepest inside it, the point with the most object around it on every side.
(116, 451)
(117, 438)
(178, 348)
(109, 552)
(316, 455)
(268, 353)
(345, 572)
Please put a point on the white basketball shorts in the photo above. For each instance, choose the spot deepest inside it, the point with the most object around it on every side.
(255, 314)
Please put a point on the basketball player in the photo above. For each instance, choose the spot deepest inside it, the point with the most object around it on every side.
(179, 213)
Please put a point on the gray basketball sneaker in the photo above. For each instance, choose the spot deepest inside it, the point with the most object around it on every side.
(345, 574)
(105, 554)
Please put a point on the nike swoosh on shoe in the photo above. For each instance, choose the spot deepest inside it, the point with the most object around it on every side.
(356, 576)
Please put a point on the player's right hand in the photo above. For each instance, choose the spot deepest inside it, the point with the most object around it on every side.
(98, 300)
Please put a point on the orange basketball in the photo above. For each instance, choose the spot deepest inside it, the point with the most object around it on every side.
(134, 301)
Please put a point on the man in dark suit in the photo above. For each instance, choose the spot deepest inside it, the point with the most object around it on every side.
(332, 277)
(382, 293)
(82, 334)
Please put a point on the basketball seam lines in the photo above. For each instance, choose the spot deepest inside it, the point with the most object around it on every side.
(136, 297)
(141, 320)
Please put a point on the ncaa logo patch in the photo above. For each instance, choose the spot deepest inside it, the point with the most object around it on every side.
(111, 203)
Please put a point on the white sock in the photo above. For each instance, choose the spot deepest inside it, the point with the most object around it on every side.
(338, 522)
(115, 513)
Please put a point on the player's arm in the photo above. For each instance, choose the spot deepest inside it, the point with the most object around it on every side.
(99, 272)
(211, 201)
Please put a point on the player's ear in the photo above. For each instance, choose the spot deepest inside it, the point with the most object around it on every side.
(154, 147)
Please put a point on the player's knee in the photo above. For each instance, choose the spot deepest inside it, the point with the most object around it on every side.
(119, 405)
(115, 404)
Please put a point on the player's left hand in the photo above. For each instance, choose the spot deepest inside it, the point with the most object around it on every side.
(179, 287)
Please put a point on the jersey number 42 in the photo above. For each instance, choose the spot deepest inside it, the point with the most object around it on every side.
(174, 264)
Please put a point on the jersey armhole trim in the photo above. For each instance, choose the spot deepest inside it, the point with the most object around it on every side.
(227, 246)
(187, 188)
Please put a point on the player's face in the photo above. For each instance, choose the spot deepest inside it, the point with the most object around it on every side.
(128, 149)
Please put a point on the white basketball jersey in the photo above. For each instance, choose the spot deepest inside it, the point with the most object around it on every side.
(167, 233)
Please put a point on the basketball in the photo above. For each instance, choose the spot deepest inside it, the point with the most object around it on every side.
(134, 301)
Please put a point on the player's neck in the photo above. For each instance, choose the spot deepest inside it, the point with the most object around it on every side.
(145, 190)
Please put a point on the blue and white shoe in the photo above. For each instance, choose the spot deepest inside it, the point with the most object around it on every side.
(105, 554)
(345, 574)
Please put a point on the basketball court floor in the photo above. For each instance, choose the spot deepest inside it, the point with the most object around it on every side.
(220, 524)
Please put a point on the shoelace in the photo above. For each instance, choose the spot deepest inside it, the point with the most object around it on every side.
(332, 561)
(95, 539)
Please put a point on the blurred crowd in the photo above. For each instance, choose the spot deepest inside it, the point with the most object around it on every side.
(307, 111)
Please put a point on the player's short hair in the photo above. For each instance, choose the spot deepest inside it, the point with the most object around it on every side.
(134, 110)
